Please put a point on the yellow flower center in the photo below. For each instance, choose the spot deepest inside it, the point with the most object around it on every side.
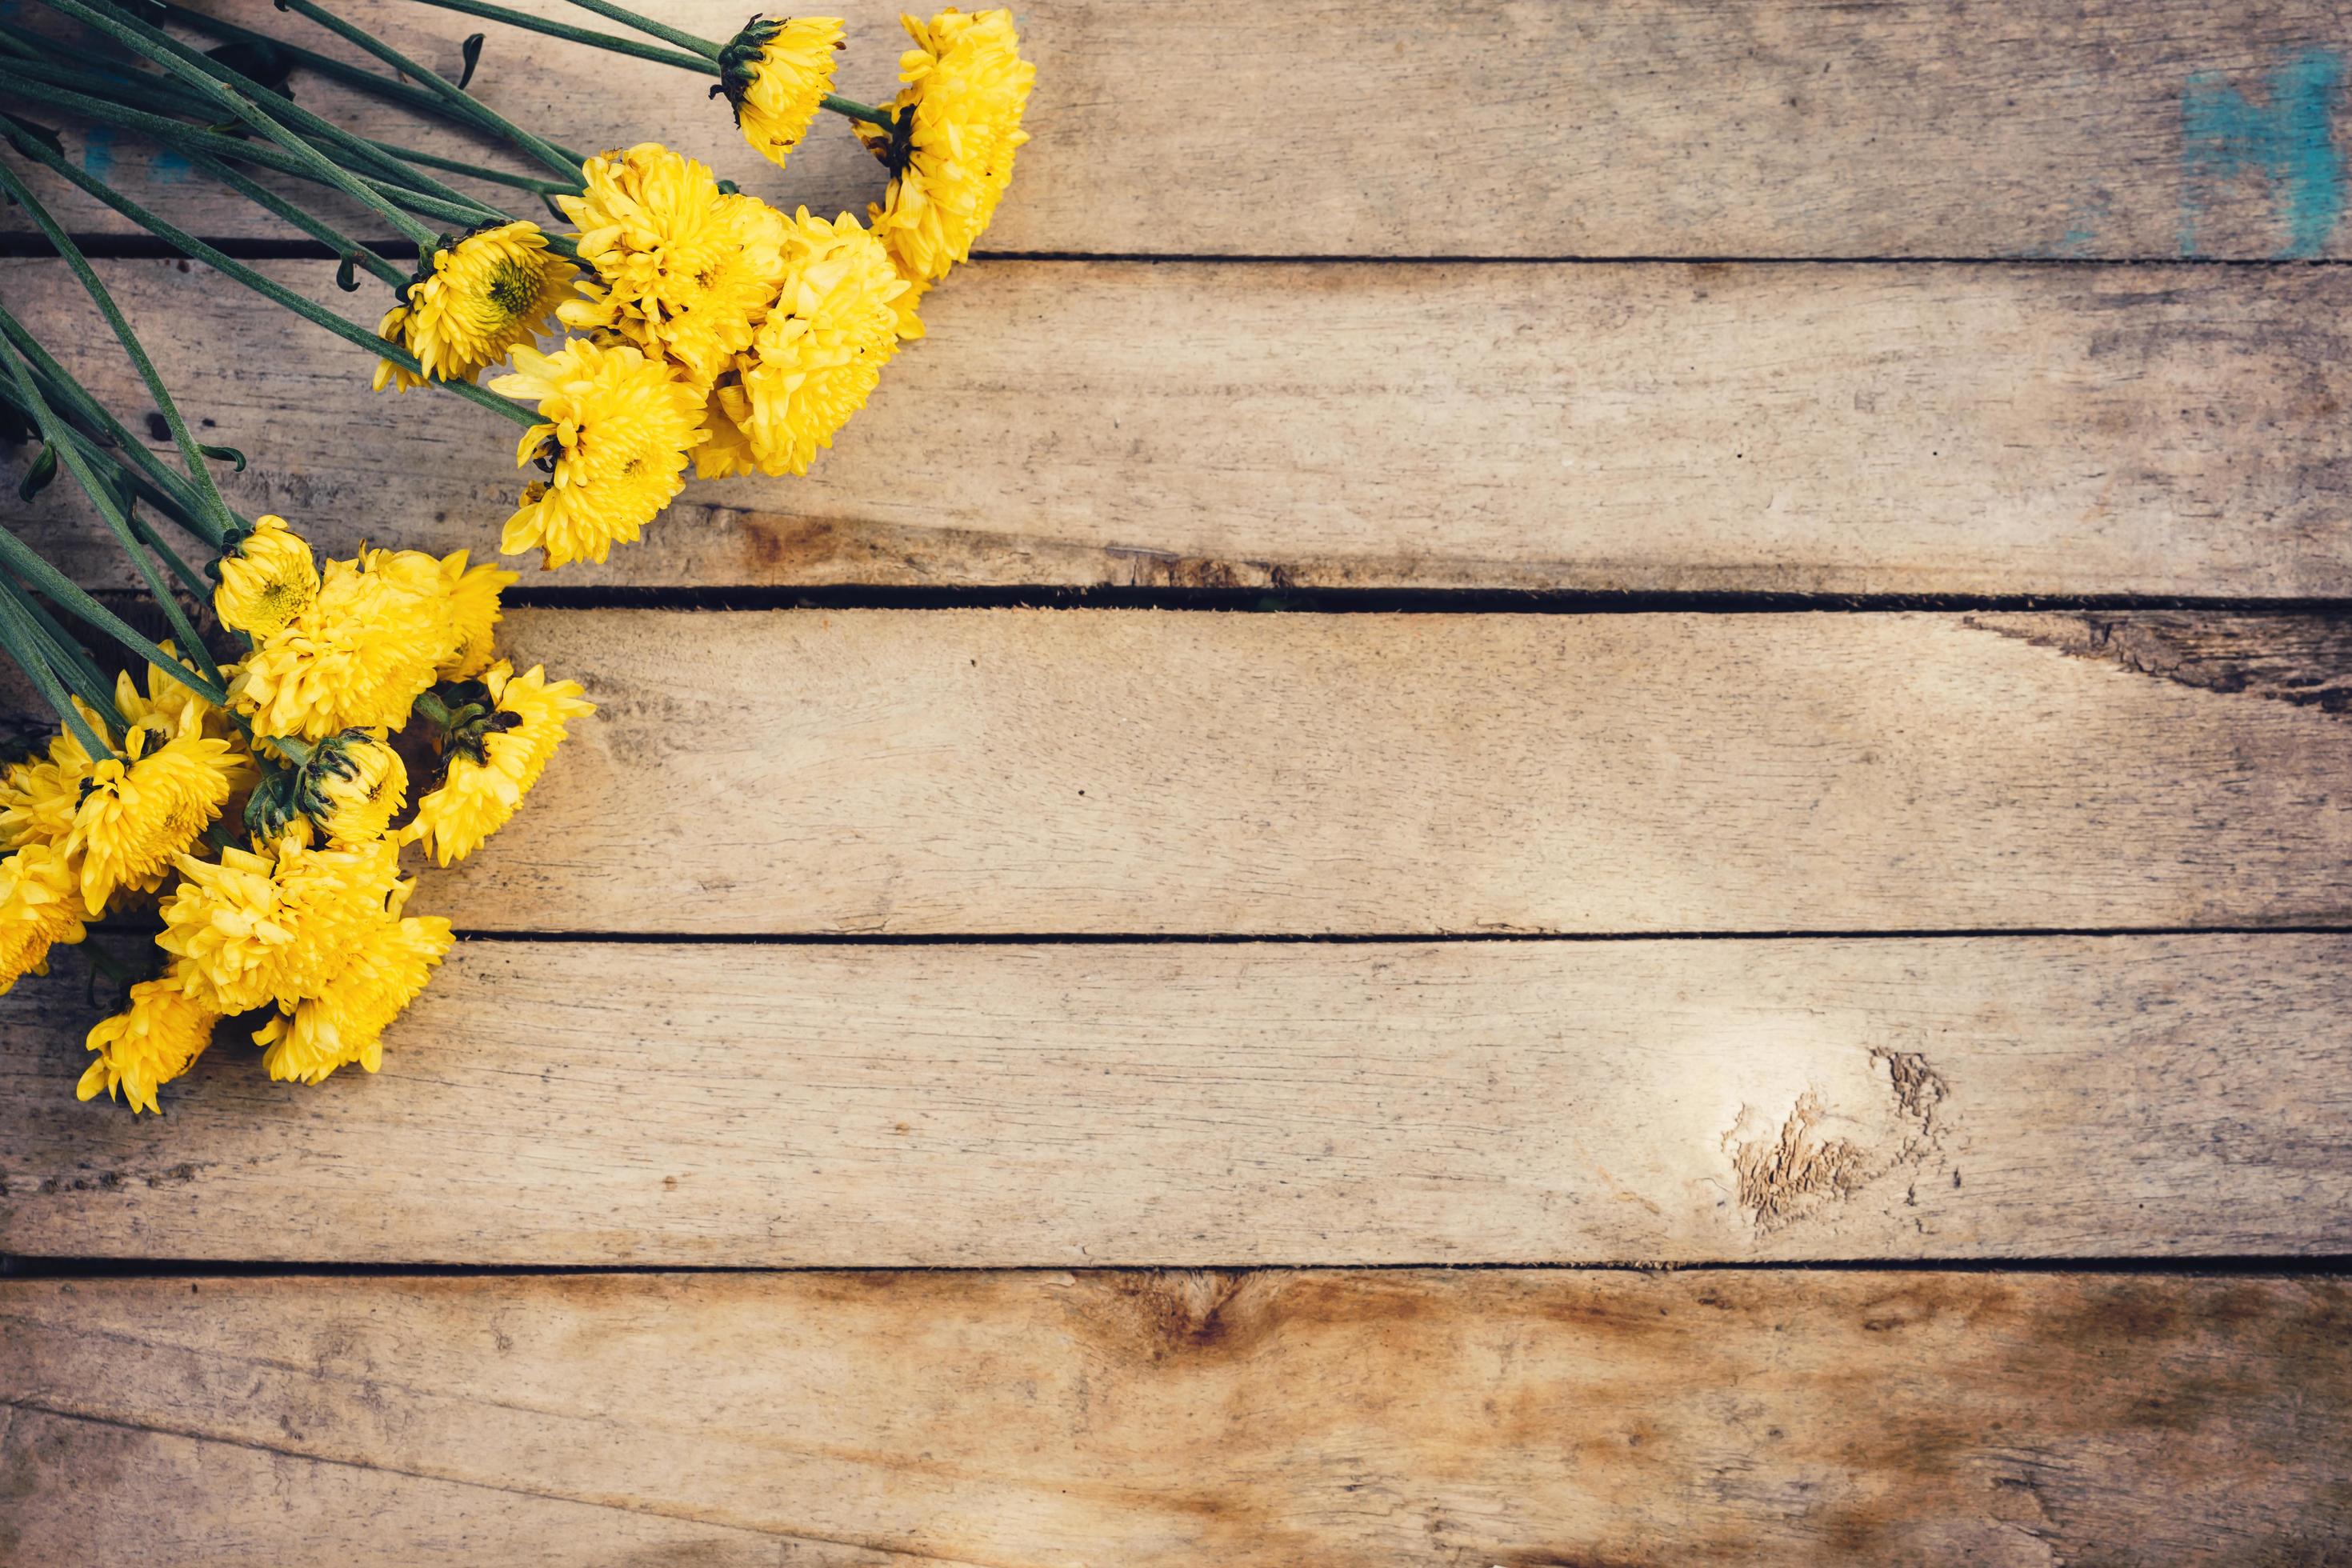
(514, 288)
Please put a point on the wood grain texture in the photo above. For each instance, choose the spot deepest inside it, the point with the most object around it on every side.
(1015, 771)
(1863, 429)
(587, 1104)
(1989, 127)
(1305, 1420)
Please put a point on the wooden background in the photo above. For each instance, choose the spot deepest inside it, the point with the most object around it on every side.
(1568, 784)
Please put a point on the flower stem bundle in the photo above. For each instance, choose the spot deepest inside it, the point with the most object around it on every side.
(702, 328)
(236, 791)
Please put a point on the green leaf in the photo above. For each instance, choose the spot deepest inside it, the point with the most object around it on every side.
(38, 477)
(47, 136)
(258, 59)
(471, 50)
(223, 455)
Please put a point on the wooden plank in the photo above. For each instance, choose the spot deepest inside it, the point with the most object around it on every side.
(1308, 1420)
(1015, 771)
(1997, 128)
(1865, 430)
(1298, 1103)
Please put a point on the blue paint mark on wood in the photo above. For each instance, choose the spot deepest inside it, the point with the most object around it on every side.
(98, 151)
(169, 166)
(2290, 140)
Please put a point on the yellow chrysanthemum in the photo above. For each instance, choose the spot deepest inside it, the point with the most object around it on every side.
(729, 450)
(473, 300)
(619, 429)
(274, 927)
(355, 657)
(37, 796)
(958, 126)
(140, 808)
(472, 594)
(348, 787)
(493, 764)
(147, 1045)
(682, 270)
(40, 905)
(832, 328)
(911, 324)
(266, 578)
(775, 74)
(343, 1025)
(169, 707)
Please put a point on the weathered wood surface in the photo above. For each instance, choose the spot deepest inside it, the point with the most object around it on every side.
(1997, 128)
(1296, 1103)
(1305, 1420)
(1015, 771)
(1862, 430)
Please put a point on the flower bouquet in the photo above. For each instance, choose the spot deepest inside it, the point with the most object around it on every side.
(237, 791)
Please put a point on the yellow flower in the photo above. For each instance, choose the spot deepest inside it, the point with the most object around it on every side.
(950, 153)
(493, 761)
(775, 74)
(682, 270)
(910, 325)
(147, 1045)
(169, 707)
(473, 597)
(37, 796)
(140, 809)
(619, 426)
(39, 905)
(349, 786)
(832, 328)
(390, 961)
(729, 449)
(274, 927)
(355, 656)
(266, 578)
(464, 597)
(476, 298)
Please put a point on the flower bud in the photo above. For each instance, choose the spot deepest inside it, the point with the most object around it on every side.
(348, 787)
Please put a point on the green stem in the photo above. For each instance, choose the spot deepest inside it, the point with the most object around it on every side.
(80, 264)
(851, 108)
(175, 507)
(198, 589)
(22, 640)
(32, 148)
(169, 53)
(195, 138)
(110, 507)
(448, 91)
(192, 643)
(700, 63)
(73, 660)
(108, 434)
(61, 591)
(270, 201)
(367, 81)
(143, 489)
(477, 171)
(108, 442)
(651, 28)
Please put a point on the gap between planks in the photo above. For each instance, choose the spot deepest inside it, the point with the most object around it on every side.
(1998, 432)
(1663, 128)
